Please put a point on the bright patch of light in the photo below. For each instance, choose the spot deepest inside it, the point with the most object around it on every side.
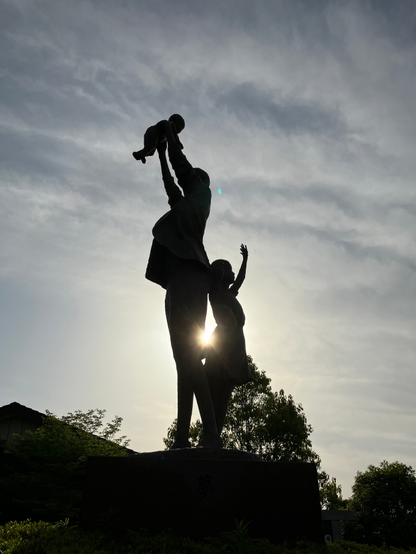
(219, 190)
(208, 333)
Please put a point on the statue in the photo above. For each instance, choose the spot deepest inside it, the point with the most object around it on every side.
(155, 135)
(178, 262)
(226, 358)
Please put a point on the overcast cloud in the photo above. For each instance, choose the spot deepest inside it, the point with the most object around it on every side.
(304, 115)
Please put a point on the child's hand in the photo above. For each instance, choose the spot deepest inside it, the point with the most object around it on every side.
(244, 252)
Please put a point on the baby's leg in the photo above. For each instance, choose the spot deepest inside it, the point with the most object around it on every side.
(151, 138)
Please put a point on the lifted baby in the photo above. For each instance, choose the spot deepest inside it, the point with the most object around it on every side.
(156, 134)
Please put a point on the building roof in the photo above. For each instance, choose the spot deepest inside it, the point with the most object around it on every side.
(15, 409)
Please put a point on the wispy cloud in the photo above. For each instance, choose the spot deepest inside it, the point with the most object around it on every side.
(303, 114)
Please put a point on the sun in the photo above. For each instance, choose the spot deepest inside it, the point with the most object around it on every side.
(208, 332)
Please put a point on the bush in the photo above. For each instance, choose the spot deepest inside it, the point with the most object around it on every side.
(43, 476)
(58, 538)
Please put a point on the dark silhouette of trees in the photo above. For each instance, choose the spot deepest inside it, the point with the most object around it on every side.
(42, 476)
(384, 501)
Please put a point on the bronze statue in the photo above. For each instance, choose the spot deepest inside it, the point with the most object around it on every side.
(178, 262)
(226, 358)
(155, 134)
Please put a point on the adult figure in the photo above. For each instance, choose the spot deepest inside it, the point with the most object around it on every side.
(226, 358)
(178, 262)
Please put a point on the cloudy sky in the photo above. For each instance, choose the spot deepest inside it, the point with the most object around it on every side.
(304, 115)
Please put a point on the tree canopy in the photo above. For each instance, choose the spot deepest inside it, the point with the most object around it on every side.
(384, 501)
(268, 423)
(43, 474)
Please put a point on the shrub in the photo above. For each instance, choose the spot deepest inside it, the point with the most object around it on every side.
(58, 538)
(42, 477)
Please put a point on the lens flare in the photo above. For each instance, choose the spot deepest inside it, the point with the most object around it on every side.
(208, 333)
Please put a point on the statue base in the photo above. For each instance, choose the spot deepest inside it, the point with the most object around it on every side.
(202, 492)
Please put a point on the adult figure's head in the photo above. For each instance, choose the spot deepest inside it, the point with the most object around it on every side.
(203, 176)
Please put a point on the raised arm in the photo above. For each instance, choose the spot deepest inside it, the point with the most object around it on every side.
(172, 190)
(242, 273)
(178, 160)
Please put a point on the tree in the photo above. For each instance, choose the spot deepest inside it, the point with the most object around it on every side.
(270, 424)
(43, 476)
(384, 501)
(331, 494)
(91, 423)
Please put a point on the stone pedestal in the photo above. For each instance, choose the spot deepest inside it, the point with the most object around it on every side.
(203, 492)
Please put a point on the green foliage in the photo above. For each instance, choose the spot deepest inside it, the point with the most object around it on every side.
(247, 416)
(195, 433)
(237, 539)
(331, 495)
(384, 501)
(270, 424)
(57, 538)
(349, 547)
(42, 477)
(92, 422)
(70, 439)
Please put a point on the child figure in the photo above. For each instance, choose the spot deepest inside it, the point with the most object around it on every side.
(226, 358)
(155, 134)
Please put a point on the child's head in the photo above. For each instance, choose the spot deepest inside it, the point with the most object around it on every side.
(178, 121)
(228, 276)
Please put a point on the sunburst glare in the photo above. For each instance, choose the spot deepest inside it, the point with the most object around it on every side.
(208, 332)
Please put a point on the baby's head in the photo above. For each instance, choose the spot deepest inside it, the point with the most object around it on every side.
(178, 121)
(228, 276)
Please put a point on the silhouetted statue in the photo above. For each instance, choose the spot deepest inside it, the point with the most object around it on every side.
(178, 262)
(226, 358)
(156, 134)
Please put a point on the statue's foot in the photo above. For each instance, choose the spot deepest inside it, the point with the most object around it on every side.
(137, 156)
(210, 441)
(181, 444)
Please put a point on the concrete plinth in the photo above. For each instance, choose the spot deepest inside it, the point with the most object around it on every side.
(202, 492)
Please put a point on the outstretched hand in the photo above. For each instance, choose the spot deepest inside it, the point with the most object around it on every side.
(244, 252)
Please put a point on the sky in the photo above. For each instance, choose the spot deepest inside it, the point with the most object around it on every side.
(304, 115)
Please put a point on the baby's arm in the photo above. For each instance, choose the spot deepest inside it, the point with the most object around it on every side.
(242, 273)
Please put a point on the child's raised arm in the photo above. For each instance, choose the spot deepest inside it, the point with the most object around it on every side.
(242, 273)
